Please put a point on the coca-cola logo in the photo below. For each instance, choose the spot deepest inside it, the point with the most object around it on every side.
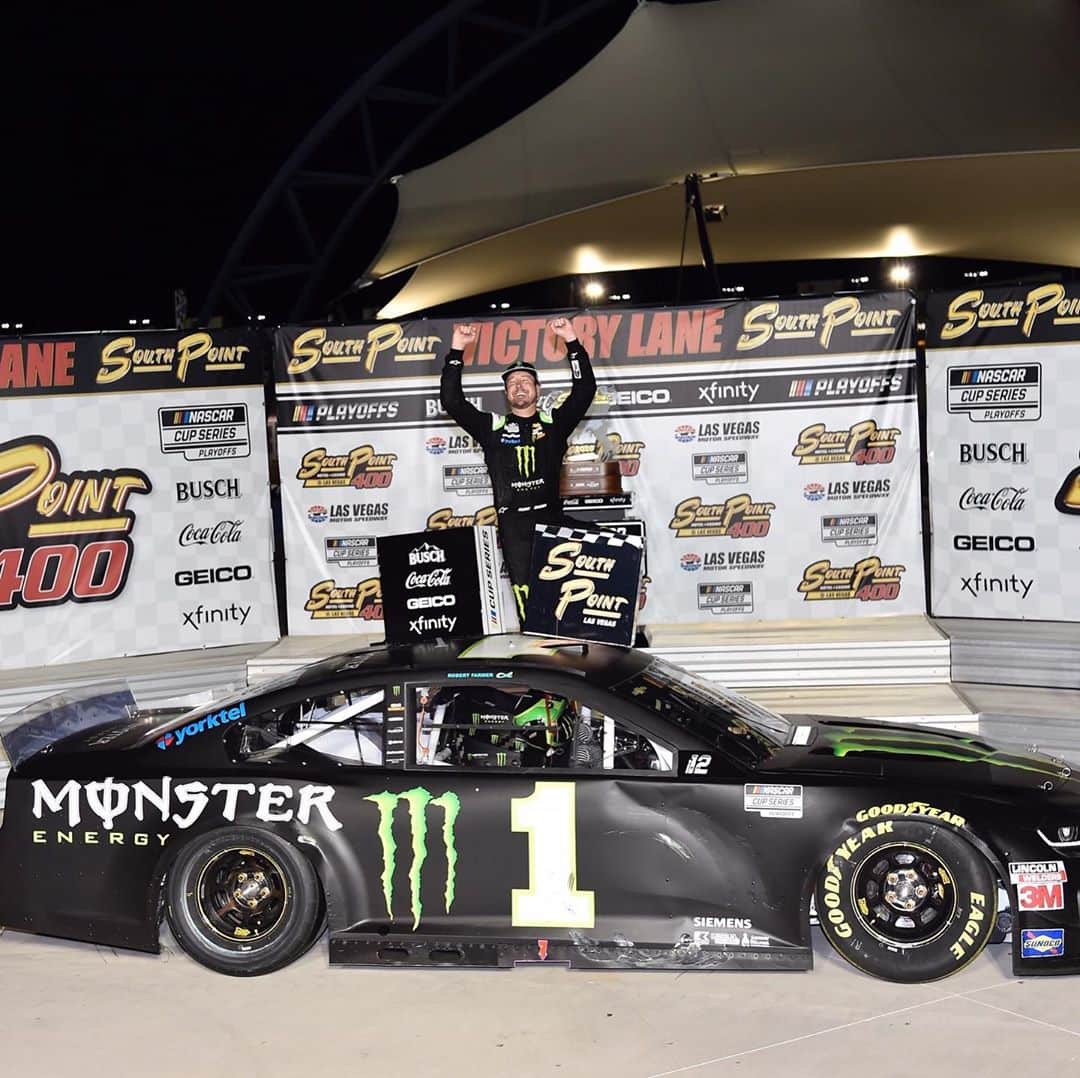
(224, 531)
(437, 578)
(1004, 499)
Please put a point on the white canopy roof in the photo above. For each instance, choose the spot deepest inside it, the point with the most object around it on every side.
(843, 128)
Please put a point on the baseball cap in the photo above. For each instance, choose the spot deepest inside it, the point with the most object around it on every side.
(528, 368)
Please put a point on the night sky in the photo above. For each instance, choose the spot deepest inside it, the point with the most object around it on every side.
(136, 143)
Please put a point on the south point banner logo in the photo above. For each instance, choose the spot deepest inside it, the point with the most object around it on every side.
(121, 357)
(740, 517)
(861, 443)
(447, 518)
(361, 468)
(525, 455)
(417, 799)
(314, 347)
(867, 580)
(765, 321)
(329, 600)
(66, 535)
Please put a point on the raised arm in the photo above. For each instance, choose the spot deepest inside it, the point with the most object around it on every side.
(583, 384)
(466, 415)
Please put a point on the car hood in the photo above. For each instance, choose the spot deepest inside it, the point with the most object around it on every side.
(891, 751)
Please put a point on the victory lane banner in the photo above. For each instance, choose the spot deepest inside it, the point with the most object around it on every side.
(1003, 379)
(770, 445)
(134, 500)
(584, 585)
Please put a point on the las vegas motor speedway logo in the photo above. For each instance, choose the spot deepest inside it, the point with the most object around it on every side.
(362, 468)
(739, 517)
(861, 443)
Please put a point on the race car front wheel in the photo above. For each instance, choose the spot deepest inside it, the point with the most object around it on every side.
(243, 902)
(906, 901)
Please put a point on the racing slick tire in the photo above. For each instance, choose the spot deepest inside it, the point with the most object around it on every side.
(243, 902)
(906, 901)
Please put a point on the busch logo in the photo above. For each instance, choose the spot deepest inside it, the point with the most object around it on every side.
(426, 554)
(418, 800)
(207, 488)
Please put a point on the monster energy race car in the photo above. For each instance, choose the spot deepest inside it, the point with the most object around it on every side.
(515, 799)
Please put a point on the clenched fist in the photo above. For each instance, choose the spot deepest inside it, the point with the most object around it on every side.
(563, 328)
(464, 336)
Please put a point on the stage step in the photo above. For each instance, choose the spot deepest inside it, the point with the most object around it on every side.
(1044, 654)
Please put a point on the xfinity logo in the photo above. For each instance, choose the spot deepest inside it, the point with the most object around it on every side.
(207, 615)
(993, 452)
(427, 602)
(220, 575)
(1023, 544)
(427, 625)
(721, 391)
(437, 578)
(986, 585)
(426, 554)
(204, 489)
(1009, 499)
(224, 531)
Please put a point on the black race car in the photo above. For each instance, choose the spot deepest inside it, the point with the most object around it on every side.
(513, 799)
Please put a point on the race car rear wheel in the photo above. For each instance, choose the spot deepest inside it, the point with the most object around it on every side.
(906, 901)
(243, 902)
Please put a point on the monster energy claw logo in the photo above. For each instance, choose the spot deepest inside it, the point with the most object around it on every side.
(526, 460)
(417, 799)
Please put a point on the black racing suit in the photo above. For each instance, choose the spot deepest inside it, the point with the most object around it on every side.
(523, 457)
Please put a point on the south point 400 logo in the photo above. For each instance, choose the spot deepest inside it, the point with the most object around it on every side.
(867, 580)
(861, 443)
(740, 517)
(327, 600)
(73, 527)
(361, 468)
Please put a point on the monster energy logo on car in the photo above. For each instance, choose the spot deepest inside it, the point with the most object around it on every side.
(418, 800)
(526, 460)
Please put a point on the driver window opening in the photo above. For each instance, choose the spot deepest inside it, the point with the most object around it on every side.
(518, 727)
(346, 727)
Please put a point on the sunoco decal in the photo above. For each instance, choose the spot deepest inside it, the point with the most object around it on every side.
(861, 443)
(206, 433)
(1042, 943)
(329, 600)
(362, 468)
(1002, 394)
(417, 799)
(868, 580)
(772, 800)
(740, 517)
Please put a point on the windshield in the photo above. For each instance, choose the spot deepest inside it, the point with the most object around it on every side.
(108, 709)
(708, 710)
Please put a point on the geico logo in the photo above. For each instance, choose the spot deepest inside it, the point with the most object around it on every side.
(1022, 543)
(221, 575)
(642, 396)
(426, 602)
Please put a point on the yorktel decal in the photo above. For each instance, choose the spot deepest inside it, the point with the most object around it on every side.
(207, 722)
(109, 800)
(417, 799)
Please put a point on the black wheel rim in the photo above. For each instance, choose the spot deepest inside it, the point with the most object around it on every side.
(241, 895)
(904, 895)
